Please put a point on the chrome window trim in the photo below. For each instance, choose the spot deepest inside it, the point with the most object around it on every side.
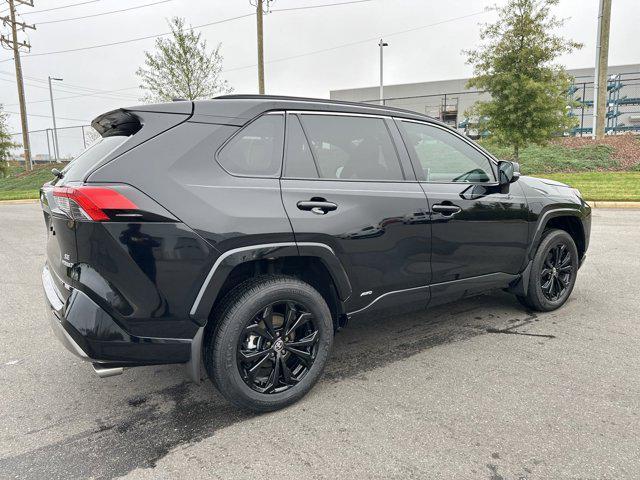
(493, 162)
(341, 114)
(226, 254)
(344, 114)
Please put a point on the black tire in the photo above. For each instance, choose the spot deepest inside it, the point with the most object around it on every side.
(548, 274)
(225, 343)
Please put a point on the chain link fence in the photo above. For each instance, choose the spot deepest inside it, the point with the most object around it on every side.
(70, 142)
(623, 115)
(623, 105)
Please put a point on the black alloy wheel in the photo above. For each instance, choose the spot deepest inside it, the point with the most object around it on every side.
(269, 342)
(555, 275)
(278, 347)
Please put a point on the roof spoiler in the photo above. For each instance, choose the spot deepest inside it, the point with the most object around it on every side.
(116, 122)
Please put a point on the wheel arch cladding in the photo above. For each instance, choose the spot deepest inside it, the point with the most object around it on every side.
(573, 226)
(310, 269)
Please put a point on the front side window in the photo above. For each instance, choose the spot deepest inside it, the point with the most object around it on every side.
(444, 157)
(352, 148)
(256, 150)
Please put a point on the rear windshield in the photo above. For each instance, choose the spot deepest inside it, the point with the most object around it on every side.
(83, 163)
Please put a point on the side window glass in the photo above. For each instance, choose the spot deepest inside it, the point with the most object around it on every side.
(299, 161)
(444, 157)
(352, 148)
(257, 149)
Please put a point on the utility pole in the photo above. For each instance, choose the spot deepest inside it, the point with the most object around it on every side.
(56, 147)
(600, 78)
(15, 45)
(259, 15)
(382, 44)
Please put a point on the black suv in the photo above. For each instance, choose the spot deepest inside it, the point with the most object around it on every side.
(240, 233)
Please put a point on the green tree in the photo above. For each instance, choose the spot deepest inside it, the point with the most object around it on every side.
(5, 144)
(515, 64)
(182, 67)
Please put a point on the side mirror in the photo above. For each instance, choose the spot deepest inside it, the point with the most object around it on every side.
(508, 172)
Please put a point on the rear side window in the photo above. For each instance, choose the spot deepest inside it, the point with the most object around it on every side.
(255, 151)
(351, 147)
(299, 160)
(78, 168)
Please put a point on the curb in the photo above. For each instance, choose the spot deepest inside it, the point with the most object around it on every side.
(19, 201)
(614, 204)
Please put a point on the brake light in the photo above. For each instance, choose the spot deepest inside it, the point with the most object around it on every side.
(90, 203)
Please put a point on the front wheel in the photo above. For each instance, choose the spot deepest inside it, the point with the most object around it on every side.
(270, 344)
(553, 272)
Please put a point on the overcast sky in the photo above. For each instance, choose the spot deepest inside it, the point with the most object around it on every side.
(348, 33)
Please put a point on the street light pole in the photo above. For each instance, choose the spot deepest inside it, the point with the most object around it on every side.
(56, 149)
(382, 44)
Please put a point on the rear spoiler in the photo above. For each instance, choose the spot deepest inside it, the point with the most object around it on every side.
(116, 122)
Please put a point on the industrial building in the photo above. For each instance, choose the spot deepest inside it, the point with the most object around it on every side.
(448, 100)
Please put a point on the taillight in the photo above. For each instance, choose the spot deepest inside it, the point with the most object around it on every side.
(91, 203)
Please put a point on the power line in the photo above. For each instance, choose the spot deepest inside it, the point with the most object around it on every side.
(94, 95)
(308, 7)
(121, 42)
(75, 87)
(48, 116)
(103, 13)
(357, 42)
(146, 37)
(60, 7)
(121, 97)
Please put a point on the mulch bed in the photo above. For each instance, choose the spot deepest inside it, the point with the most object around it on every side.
(626, 147)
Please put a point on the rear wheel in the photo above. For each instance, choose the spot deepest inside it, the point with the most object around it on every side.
(270, 343)
(553, 272)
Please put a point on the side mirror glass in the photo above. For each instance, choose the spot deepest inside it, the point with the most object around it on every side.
(508, 172)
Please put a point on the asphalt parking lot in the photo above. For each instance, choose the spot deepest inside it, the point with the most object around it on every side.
(478, 389)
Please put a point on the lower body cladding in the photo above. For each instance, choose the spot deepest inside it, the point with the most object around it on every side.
(88, 332)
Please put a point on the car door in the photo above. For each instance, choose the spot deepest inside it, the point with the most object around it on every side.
(346, 186)
(479, 229)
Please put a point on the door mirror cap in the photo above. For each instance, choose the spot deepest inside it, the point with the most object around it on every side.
(508, 172)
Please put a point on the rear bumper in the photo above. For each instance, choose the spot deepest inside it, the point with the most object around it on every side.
(91, 334)
(54, 307)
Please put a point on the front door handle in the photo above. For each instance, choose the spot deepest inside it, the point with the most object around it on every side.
(319, 207)
(445, 209)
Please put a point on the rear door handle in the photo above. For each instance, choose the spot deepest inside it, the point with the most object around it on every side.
(445, 209)
(316, 206)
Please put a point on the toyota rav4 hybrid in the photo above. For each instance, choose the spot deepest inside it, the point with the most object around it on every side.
(237, 235)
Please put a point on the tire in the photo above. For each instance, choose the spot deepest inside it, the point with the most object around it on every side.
(555, 261)
(251, 323)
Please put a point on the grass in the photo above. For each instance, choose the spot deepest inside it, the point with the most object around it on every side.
(554, 158)
(602, 186)
(22, 185)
